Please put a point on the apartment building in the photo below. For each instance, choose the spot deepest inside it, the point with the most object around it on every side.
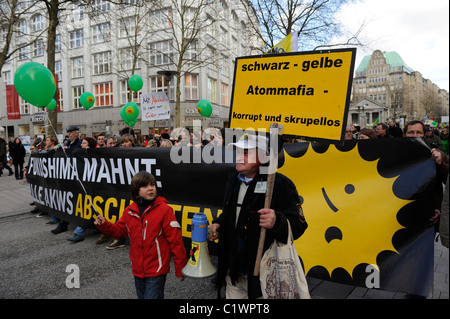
(99, 46)
(385, 87)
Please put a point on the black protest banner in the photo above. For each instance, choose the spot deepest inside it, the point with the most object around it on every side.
(76, 185)
(367, 203)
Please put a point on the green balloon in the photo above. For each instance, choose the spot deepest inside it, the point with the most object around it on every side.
(35, 84)
(135, 82)
(51, 105)
(204, 108)
(87, 100)
(131, 123)
(129, 113)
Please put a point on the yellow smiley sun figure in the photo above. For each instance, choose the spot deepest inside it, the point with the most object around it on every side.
(350, 208)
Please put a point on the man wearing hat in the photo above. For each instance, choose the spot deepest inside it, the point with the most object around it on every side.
(74, 140)
(239, 226)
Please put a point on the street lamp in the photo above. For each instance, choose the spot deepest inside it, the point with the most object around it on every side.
(169, 74)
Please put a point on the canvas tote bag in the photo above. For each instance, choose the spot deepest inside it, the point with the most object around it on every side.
(281, 273)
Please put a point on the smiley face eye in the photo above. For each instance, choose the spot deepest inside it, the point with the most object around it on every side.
(349, 188)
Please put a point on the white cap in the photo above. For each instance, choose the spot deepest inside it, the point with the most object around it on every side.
(248, 141)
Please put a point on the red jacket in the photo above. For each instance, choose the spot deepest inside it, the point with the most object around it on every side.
(154, 237)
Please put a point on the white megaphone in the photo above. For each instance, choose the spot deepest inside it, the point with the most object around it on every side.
(199, 264)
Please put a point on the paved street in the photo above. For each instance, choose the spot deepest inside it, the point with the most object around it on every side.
(33, 262)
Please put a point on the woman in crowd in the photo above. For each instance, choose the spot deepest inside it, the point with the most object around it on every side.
(88, 142)
(18, 157)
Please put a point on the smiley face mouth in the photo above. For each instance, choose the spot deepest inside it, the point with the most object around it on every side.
(333, 233)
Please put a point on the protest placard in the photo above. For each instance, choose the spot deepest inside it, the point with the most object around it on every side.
(307, 92)
(155, 106)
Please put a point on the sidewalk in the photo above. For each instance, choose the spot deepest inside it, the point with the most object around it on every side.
(15, 196)
(15, 200)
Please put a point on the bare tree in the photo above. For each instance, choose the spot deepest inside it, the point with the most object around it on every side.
(186, 21)
(11, 12)
(429, 101)
(134, 30)
(313, 20)
(54, 9)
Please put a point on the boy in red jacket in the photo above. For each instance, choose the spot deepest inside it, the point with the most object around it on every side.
(154, 235)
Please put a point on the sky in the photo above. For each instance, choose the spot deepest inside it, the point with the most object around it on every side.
(417, 30)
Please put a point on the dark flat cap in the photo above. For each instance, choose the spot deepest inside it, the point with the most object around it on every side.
(73, 128)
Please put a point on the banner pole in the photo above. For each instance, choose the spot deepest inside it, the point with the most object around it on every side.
(275, 130)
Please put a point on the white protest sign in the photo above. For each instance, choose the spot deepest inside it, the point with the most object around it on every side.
(155, 106)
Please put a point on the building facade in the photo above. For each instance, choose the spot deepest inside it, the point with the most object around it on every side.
(383, 81)
(99, 47)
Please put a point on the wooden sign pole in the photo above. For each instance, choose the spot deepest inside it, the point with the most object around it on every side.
(275, 130)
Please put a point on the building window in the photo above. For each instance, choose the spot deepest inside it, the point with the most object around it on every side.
(102, 63)
(161, 52)
(210, 26)
(126, 3)
(23, 27)
(38, 48)
(7, 77)
(159, 84)
(191, 51)
(23, 52)
(212, 90)
(76, 38)
(58, 43)
(224, 36)
(224, 94)
(126, 59)
(58, 70)
(191, 87)
(234, 44)
(103, 93)
(77, 91)
(224, 69)
(38, 23)
(77, 12)
(127, 27)
(162, 18)
(101, 33)
(24, 106)
(3, 30)
(210, 58)
(77, 67)
(60, 99)
(22, 4)
(125, 93)
(100, 6)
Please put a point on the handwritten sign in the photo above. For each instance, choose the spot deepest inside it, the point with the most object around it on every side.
(155, 106)
(307, 92)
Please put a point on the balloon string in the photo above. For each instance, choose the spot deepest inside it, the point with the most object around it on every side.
(70, 163)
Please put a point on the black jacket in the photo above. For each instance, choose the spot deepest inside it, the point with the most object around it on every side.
(75, 144)
(18, 154)
(238, 245)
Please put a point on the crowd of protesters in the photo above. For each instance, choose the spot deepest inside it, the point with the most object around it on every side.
(436, 138)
